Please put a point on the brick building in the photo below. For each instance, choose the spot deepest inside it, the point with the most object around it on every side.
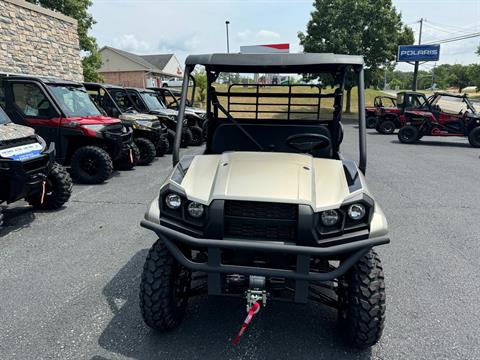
(35, 40)
(126, 69)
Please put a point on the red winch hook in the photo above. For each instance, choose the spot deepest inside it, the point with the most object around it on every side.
(254, 309)
(131, 156)
(42, 198)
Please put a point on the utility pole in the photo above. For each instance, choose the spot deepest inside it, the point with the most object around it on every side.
(415, 71)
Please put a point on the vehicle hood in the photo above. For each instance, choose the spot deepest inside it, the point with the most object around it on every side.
(167, 112)
(11, 131)
(196, 110)
(137, 116)
(267, 177)
(92, 120)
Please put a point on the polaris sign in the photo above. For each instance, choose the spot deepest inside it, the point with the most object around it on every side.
(418, 53)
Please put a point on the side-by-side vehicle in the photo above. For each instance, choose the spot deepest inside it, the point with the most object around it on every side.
(28, 169)
(61, 112)
(149, 135)
(379, 102)
(272, 211)
(444, 114)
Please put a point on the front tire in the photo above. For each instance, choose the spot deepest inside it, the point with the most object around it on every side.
(57, 192)
(474, 137)
(127, 160)
(386, 127)
(91, 165)
(371, 122)
(163, 146)
(409, 134)
(163, 289)
(186, 137)
(362, 302)
(147, 151)
(197, 136)
(171, 140)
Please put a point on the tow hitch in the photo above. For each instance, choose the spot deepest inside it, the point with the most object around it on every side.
(256, 298)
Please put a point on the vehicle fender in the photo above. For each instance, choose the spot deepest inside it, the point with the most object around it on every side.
(153, 211)
(378, 225)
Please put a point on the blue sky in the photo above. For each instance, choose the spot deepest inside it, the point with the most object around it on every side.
(188, 26)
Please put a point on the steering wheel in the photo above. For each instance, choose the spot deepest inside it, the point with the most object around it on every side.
(308, 143)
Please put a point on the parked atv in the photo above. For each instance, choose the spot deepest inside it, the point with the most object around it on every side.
(391, 118)
(171, 98)
(28, 169)
(228, 227)
(148, 102)
(444, 114)
(62, 113)
(380, 102)
(149, 135)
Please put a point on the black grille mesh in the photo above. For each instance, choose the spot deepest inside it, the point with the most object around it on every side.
(260, 220)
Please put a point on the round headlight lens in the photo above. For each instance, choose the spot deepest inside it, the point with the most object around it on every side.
(195, 209)
(356, 211)
(330, 217)
(173, 201)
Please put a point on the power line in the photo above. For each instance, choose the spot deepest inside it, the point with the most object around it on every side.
(458, 38)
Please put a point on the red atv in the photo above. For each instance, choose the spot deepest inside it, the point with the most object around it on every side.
(372, 112)
(392, 118)
(444, 115)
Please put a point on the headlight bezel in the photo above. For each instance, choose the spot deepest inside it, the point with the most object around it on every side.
(181, 215)
(347, 224)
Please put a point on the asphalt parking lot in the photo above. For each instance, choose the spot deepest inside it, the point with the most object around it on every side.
(69, 279)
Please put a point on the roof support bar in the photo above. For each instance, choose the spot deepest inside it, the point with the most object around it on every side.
(181, 115)
(362, 133)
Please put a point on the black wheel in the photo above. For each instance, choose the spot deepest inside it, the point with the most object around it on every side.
(58, 189)
(186, 137)
(197, 136)
(164, 289)
(408, 134)
(171, 140)
(371, 122)
(474, 137)
(147, 151)
(129, 158)
(362, 301)
(386, 127)
(91, 165)
(163, 146)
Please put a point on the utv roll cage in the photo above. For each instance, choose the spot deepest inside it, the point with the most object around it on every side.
(333, 64)
(177, 94)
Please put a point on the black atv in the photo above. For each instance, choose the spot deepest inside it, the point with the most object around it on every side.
(148, 102)
(28, 169)
(149, 135)
(61, 112)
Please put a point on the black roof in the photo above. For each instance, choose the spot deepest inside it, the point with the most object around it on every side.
(275, 63)
(46, 79)
(140, 89)
(106, 86)
(444, 93)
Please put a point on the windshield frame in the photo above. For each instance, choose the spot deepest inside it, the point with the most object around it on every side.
(147, 96)
(75, 89)
(4, 119)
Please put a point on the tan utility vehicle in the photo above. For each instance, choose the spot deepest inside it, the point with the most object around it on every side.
(271, 211)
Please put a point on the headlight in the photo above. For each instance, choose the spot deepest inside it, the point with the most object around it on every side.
(173, 201)
(145, 123)
(195, 209)
(356, 212)
(330, 217)
(96, 127)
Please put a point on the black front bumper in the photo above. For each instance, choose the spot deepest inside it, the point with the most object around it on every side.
(350, 253)
(19, 179)
(119, 143)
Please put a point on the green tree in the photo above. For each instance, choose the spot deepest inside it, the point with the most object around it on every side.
(77, 9)
(201, 85)
(372, 28)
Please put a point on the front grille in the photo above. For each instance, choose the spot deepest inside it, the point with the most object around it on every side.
(260, 220)
(36, 165)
